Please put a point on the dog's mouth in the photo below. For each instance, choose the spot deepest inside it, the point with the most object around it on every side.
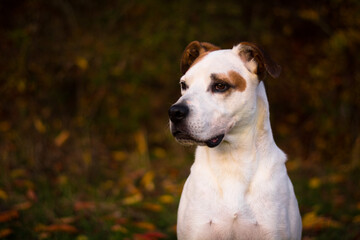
(214, 141)
(188, 140)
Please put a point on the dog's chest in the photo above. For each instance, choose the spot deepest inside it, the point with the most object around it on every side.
(218, 212)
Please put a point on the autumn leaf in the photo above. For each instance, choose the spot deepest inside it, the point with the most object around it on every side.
(31, 195)
(61, 138)
(119, 155)
(166, 199)
(23, 205)
(56, 228)
(154, 207)
(145, 225)
(314, 183)
(5, 232)
(39, 125)
(3, 194)
(119, 228)
(136, 198)
(149, 236)
(82, 63)
(312, 221)
(8, 215)
(82, 205)
(148, 181)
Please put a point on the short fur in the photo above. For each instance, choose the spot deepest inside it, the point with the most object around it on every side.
(238, 187)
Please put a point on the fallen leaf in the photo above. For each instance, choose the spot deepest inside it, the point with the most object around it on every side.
(82, 237)
(312, 221)
(82, 63)
(145, 225)
(149, 236)
(8, 215)
(5, 232)
(19, 172)
(4, 126)
(23, 205)
(56, 228)
(61, 138)
(154, 207)
(314, 183)
(82, 205)
(119, 155)
(39, 125)
(118, 228)
(3, 195)
(356, 219)
(166, 199)
(31, 195)
(136, 198)
(148, 181)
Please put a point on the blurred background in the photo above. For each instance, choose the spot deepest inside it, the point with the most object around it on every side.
(85, 150)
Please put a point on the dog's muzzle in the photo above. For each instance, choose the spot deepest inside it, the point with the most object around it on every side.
(178, 114)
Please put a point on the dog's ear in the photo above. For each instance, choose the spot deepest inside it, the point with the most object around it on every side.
(193, 51)
(258, 61)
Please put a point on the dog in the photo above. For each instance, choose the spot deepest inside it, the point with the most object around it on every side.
(238, 187)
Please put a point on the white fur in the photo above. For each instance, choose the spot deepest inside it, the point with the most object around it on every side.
(239, 189)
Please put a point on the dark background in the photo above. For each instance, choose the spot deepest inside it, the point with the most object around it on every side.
(85, 150)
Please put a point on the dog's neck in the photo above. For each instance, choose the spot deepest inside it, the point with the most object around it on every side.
(247, 146)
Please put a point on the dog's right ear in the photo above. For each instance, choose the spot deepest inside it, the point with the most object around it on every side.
(193, 51)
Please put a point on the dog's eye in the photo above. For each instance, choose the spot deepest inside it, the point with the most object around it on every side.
(220, 87)
(183, 86)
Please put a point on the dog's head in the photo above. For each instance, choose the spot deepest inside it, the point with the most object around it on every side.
(218, 91)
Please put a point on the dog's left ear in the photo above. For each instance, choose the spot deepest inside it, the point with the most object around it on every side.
(193, 51)
(258, 61)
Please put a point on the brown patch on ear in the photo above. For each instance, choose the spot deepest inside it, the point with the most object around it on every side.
(237, 80)
(193, 51)
(258, 61)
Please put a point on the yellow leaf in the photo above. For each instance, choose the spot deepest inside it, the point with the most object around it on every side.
(39, 125)
(147, 181)
(166, 199)
(133, 199)
(61, 138)
(82, 237)
(16, 173)
(153, 207)
(159, 152)
(3, 194)
(141, 142)
(312, 221)
(82, 63)
(146, 225)
(119, 155)
(314, 183)
(118, 228)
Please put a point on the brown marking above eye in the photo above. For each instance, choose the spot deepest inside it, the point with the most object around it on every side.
(231, 80)
(237, 80)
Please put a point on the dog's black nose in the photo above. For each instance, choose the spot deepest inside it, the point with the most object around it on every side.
(178, 112)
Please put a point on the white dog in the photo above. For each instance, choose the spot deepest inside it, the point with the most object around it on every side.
(238, 187)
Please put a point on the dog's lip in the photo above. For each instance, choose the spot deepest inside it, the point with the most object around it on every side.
(211, 143)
